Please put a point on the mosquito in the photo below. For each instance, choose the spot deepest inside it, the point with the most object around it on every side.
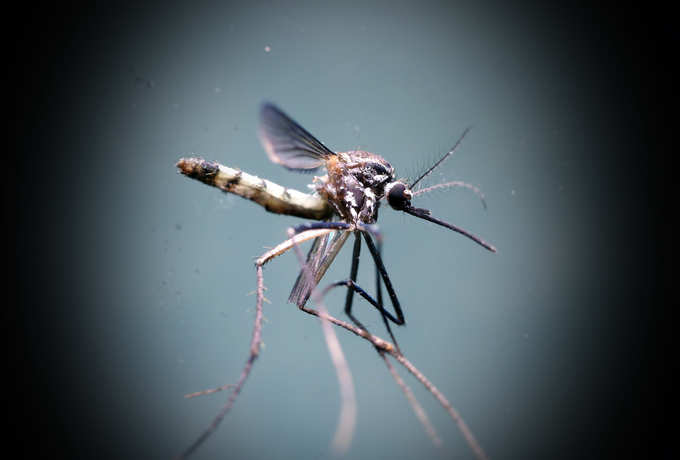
(355, 184)
(345, 202)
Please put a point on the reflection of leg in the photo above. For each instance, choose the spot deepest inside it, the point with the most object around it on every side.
(348, 409)
(383, 347)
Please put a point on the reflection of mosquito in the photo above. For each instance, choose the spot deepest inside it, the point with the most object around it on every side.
(346, 202)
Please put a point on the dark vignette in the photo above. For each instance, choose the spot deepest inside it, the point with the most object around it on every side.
(638, 48)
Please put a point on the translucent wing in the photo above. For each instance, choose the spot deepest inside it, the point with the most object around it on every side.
(289, 144)
(320, 257)
(302, 287)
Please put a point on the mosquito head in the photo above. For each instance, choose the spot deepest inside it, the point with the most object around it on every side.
(398, 195)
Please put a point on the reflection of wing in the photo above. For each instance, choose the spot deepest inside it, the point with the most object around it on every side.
(319, 258)
(289, 144)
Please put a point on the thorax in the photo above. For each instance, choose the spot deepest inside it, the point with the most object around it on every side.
(355, 184)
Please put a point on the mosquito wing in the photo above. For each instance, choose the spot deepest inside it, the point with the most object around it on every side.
(289, 144)
(303, 286)
(319, 258)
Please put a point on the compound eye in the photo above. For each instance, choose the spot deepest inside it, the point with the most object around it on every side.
(398, 196)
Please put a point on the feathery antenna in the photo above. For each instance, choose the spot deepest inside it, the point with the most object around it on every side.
(441, 160)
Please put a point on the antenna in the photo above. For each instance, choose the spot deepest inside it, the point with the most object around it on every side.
(441, 160)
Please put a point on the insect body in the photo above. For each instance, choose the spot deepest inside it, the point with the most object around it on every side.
(355, 184)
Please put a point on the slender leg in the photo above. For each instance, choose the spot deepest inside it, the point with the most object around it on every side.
(367, 230)
(353, 277)
(245, 373)
(386, 279)
(320, 225)
(353, 287)
(355, 259)
(381, 273)
(256, 339)
(378, 285)
(372, 229)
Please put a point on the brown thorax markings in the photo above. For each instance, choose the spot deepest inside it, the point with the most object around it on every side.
(354, 185)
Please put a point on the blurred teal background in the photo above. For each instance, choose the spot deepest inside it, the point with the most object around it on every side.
(136, 282)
